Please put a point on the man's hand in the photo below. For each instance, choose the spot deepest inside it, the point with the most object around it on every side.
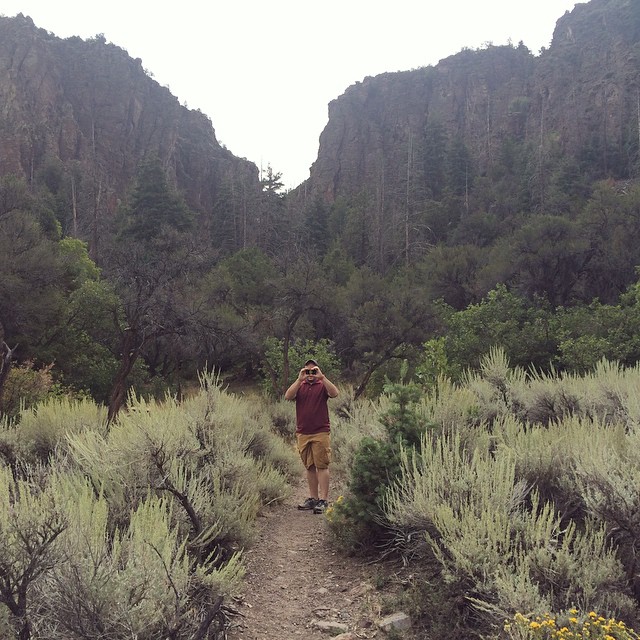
(303, 375)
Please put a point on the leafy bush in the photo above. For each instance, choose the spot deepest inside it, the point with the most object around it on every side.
(433, 363)
(25, 386)
(375, 466)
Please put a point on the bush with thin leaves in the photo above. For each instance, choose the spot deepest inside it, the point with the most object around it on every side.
(155, 508)
(136, 582)
(31, 523)
(607, 475)
(43, 428)
(543, 457)
(505, 549)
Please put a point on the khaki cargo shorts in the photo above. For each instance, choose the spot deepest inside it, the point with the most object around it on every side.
(315, 449)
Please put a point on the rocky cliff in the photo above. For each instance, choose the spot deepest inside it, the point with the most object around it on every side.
(90, 105)
(581, 96)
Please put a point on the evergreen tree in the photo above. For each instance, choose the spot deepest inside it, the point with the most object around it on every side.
(155, 206)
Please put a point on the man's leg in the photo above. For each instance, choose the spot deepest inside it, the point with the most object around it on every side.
(312, 481)
(323, 484)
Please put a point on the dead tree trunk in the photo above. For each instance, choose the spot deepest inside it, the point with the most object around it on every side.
(130, 351)
(6, 359)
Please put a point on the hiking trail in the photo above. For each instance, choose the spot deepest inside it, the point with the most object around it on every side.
(297, 582)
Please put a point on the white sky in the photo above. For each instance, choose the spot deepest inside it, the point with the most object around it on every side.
(265, 71)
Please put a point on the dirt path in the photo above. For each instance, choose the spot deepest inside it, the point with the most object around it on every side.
(296, 580)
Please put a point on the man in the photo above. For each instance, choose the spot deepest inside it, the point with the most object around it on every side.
(311, 390)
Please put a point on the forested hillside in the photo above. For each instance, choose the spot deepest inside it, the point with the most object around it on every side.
(469, 150)
(491, 199)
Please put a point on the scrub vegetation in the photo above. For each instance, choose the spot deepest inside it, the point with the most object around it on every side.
(516, 513)
(133, 528)
(510, 498)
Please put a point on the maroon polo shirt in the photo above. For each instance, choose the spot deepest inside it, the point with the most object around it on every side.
(312, 412)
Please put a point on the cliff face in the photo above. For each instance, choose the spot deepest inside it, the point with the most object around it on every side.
(581, 94)
(376, 124)
(91, 105)
(588, 80)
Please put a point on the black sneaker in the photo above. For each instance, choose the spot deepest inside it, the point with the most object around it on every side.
(320, 506)
(308, 504)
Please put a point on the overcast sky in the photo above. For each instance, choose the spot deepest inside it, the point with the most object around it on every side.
(265, 72)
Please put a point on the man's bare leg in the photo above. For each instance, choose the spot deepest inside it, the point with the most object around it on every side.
(312, 481)
(323, 483)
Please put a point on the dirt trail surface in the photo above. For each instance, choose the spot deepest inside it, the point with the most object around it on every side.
(298, 585)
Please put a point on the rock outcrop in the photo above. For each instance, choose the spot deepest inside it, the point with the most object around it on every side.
(581, 95)
(90, 105)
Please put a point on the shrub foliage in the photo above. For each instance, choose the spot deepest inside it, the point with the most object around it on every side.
(519, 498)
(133, 529)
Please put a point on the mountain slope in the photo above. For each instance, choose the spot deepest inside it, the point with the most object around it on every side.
(581, 93)
(91, 106)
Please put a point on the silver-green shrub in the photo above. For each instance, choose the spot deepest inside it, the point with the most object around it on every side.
(147, 516)
(138, 582)
(492, 536)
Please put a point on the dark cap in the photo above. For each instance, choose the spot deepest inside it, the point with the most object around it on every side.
(311, 361)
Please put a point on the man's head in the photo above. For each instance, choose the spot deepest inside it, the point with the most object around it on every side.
(311, 368)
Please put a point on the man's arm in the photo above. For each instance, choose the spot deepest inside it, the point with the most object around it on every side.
(292, 391)
(332, 390)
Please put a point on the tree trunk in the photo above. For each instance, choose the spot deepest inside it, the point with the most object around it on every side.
(286, 343)
(6, 358)
(387, 355)
(130, 353)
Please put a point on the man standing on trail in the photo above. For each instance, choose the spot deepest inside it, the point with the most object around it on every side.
(311, 390)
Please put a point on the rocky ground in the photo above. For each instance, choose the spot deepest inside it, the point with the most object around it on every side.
(299, 585)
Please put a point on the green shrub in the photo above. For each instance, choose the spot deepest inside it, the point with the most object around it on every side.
(349, 425)
(376, 463)
(283, 418)
(44, 427)
(505, 549)
(434, 364)
(214, 454)
(31, 526)
(25, 386)
(607, 475)
(138, 581)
